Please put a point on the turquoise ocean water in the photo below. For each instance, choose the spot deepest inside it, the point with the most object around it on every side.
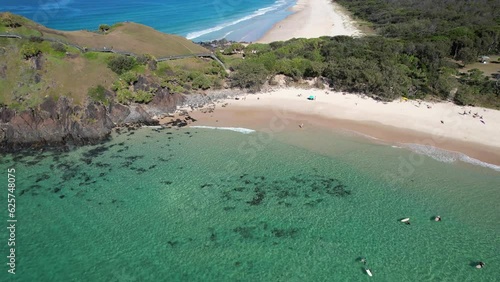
(198, 20)
(211, 205)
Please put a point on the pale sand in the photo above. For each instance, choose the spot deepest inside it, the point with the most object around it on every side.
(398, 121)
(312, 19)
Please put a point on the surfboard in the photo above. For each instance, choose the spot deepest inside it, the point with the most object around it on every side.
(405, 219)
(369, 272)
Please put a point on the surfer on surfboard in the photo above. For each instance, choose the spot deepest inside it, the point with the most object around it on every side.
(406, 221)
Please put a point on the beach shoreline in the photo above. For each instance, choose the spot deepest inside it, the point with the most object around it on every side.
(312, 19)
(436, 125)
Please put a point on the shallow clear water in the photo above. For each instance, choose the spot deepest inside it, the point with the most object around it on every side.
(198, 20)
(210, 205)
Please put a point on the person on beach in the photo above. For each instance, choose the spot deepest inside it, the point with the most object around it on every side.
(301, 125)
(480, 264)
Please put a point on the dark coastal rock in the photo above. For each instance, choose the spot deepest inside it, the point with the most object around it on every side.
(60, 125)
(138, 114)
(118, 113)
(53, 123)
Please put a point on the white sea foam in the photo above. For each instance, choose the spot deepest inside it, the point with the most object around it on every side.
(278, 4)
(448, 156)
(237, 129)
(152, 126)
(225, 35)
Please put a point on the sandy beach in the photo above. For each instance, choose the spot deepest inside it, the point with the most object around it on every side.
(440, 125)
(311, 19)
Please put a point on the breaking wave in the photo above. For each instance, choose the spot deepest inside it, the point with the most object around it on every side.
(448, 156)
(237, 129)
(278, 4)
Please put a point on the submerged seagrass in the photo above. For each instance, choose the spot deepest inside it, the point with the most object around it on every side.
(191, 205)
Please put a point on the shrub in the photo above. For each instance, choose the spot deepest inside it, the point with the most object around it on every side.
(98, 94)
(249, 74)
(202, 82)
(142, 96)
(29, 50)
(59, 47)
(118, 84)
(121, 64)
(129, 77)
(144, 59)
(124, 96)
(464, 96)
(104, 27)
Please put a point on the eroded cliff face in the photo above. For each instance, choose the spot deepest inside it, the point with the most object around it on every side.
(53, 123)
(58, 123)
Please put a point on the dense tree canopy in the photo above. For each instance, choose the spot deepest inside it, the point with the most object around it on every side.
(417, 52)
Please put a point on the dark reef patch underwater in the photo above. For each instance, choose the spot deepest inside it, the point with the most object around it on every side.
(184, 205)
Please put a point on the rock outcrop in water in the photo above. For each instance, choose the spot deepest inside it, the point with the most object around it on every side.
(53, 123)
(60, 123)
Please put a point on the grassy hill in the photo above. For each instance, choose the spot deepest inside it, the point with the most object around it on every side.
(136, 38)
(36, 66)
(127, 37)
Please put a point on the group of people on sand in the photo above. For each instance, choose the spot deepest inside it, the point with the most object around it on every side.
(475, 115)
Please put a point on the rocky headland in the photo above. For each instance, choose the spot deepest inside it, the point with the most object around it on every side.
(59, 125)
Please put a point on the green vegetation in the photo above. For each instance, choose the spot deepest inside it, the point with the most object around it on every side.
(29, 50)
(459, 28)
(421, 48)
(126, 96)
(58, 47)
(98, 94)
(129, 77)
(10, 20)
(104, 27)
(120, 64)
(182, 76)
(62, 68)
(249, 74)
(418, 53)
(142, 96)
(233, 48)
